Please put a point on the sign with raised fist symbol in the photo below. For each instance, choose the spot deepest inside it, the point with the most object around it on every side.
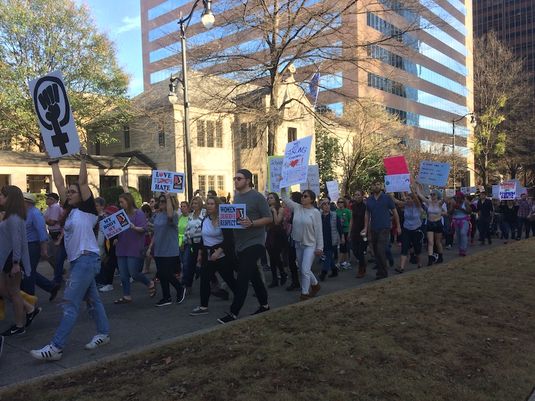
(55, 117)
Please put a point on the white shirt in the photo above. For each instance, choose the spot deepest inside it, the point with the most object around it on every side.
(78, 231)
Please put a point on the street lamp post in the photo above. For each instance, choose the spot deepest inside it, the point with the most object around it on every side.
(473, 123)
(207, 19)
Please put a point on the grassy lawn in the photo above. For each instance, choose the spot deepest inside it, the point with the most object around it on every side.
(464, 331)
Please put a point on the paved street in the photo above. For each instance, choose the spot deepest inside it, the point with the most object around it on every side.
(140, 324)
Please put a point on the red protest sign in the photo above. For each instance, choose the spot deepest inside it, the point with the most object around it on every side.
(395, 165)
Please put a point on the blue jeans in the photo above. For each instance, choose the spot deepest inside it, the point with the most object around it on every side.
(28, 283)
(79, 287)
(61, 256)
(461, 232)
(190, 263)
(328, 262)
(131, 266)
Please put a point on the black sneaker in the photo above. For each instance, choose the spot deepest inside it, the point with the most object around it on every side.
(323, 275)
(229, 317)
(262, 309)
(164, 302)
(54, 292)
(31, 316)
(199, 310)
(14, 331)
(181, 296)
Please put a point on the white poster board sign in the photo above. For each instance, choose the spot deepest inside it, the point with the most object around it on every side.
(507, 191)
(115, 224)
(230, 215)
(450, 193)
(313, 180)
(274, 173)
(495, 192)
(434, 173)
(398, 183)
(469, 190)
(167, 181)
(54, 113)
(295, 163)
(332, 189)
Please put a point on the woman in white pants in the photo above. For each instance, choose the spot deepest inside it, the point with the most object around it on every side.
(308, 236)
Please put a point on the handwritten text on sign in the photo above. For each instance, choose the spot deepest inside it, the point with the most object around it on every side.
(434, 173)
(230, 215)
(275, 171)
(167, 181)
(53, 110)
(115, 224)
(313, 180)
(295, 164)
(398, 183)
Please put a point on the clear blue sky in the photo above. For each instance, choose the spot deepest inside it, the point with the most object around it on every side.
(120, 20)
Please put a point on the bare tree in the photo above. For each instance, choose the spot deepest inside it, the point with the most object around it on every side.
(268, 38)
(504, 137)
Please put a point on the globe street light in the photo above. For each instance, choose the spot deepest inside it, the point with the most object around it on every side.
(473, 123)
(207, 19)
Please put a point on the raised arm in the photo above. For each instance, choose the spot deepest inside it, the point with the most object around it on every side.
(85, 191)
(58, 179)
(287, 200)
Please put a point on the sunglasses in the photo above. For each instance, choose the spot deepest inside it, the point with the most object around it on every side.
(72, 191)
(340, 203)
(305, 196)
(238, 178)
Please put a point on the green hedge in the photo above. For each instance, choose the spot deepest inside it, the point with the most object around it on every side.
(111, 195)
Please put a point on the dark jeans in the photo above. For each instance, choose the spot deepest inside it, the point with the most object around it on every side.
(108, 265)
(292, 263)
(483, 225)
(28, 283)
(328, 262)
(523, 225)
(190, 263)
(359, 248)
(208, 271)
(248, 271)
(59, 262)
(275, 261)
(166, 267)
(380, 239)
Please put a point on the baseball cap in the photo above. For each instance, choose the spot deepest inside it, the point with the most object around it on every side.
(28, 197)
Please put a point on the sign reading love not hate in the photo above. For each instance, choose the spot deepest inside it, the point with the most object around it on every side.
(295, 164)
(167, 181)
(53, 110)
(434, 173)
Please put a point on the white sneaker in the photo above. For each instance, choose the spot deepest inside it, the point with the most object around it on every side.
(106, 288)
(47, 353)
(97, 341)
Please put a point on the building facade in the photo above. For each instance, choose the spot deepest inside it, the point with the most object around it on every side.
(418, 61)
(514, 24)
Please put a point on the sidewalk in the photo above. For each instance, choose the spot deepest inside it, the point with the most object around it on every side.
(141, 324)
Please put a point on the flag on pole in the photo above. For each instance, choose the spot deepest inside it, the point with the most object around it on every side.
(314, 87)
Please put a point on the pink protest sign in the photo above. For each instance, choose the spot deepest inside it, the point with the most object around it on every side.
(395, 165)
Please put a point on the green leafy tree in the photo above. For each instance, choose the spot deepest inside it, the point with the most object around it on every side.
(40, 36)
(327, 154)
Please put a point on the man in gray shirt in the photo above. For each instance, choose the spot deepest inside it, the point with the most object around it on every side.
(249, 243)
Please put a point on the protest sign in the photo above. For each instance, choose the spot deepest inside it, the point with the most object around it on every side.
(115, 224)
(396, 165)
(434, 173)
(167, 181)
(295, 164)
(53, 110)
(398, 183)
(507, 190)
(450, 193)
(332, 189)
(229, 215)
(274, 173)
(313, 180)
(469, 190)
(495, 192)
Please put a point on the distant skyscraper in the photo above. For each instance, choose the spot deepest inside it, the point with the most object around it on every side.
(426, 79)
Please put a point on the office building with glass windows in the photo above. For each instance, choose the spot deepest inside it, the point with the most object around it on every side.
(422, 73)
